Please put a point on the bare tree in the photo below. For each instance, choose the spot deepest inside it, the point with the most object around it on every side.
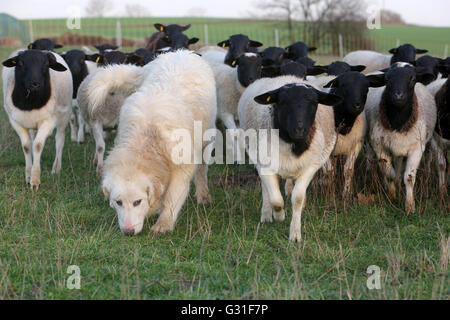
(137, 10)
(196, 12)
(391, 17)
(284, 10)
(98, 8)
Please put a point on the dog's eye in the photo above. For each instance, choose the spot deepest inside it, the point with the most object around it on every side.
(119, 203)
(137, 203)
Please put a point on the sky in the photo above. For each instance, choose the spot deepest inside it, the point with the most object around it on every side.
(420, 12)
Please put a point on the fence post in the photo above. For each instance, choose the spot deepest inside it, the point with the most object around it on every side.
(30, 25)
(205, 30)
(118, 34)
(341, 46)
(277, 38)
(446, 51)
(398, 43)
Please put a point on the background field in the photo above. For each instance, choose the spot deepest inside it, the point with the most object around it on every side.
(219, 251)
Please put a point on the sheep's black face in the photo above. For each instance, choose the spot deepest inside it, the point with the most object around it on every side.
(353, 87)
(444, 67)
(249, 69)
(180, 41)
(406, 53)
(289, 68)
(113, 57)
(400, 83)
(44, 44)
(295, 107)
(299, 50)
(307, 62)
(171, 29)
(237, 46)
(337, 68)
(141, 57)
(32, 78)
(430, 65)
(273, 55)
(76, 60)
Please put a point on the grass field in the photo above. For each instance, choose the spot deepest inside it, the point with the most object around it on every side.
(219, 251)
(433, 39)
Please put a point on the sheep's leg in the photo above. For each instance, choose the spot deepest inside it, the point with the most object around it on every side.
(298, 203)
(228, 120)
(272, 186)
(398, 170)
(27, 144)
(60, 139)
(288, 187)
(385, 162)
(81, 127)
(412, 164)
(441, 164)
(349, 170)
(266, 211)
(44, 131)
(328, 170)
(174, 199)
(73, 127)
(97, 131)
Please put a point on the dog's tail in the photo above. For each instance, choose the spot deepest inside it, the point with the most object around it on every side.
(125, 79)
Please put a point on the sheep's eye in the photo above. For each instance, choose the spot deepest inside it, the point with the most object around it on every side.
(119, 203)
(137, 203)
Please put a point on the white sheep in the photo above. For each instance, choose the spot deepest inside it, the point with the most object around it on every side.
(37, 91)
(308, 137)
(100, 98)
(141, 175)
(375, 61)
(440, 143)
(402, 118)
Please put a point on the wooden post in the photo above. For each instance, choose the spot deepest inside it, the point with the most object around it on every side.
(205, 28)
(118, 34)
(30, 25)
(277, 38)
(446, 51)
(341, 46)
(398, 43)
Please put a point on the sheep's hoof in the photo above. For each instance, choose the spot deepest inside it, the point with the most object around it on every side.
(34, 186)
(266, 216)
(295, 237)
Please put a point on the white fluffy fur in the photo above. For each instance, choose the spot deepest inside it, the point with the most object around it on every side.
(392, 145)
(179, 90)
(100, 98)
(301, 169)
(373, 61)
(55, 114)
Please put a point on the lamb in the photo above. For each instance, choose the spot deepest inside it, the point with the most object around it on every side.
(238, 45)
(375, 61)
(100, 98)
(440, 144)
(402, 118)
(308, 137)
(80, 66)
(141, 174)
(37, 91)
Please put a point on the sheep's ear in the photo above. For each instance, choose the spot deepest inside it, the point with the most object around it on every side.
(30, 46)
(393, 51)
(270, 71)
(421, 51)
(311, 49)
(55, 65)
(185, 27)
(316, 70)
(376, 80)
(160, 27)
(270, 97)
(359, 68)
(328, 99)
(10, 63)
(58, 46)
(193, 40)
(97, 58)
(224, 44)
(255, 44)
(332, 84)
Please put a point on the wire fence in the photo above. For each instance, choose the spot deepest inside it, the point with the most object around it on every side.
(134, 32)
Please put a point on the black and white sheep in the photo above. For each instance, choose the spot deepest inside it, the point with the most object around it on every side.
(375, 61)
(307, 139)
(37, 91)
(238, 45)
(402, 118)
